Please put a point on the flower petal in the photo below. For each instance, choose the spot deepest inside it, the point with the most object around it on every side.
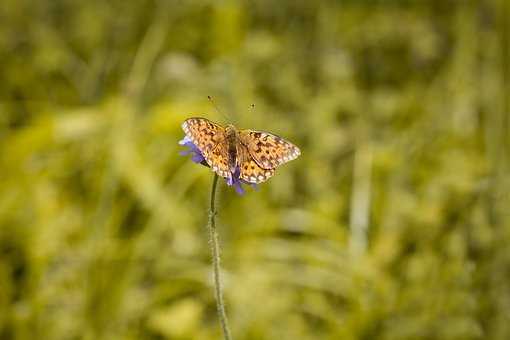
(239, 188)
(185, 140)
(197, 156)
(235, 181)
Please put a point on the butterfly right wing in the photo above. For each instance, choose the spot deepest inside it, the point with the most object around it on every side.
(250, 171)
(268, 150)
(209, 138)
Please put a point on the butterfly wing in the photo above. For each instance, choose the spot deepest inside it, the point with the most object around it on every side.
(209, 138)
(218, 160)
(268, 150)
(250, 171)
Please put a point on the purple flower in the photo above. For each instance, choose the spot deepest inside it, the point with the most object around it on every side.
(193, 150)
(237, 182)
(197, 157)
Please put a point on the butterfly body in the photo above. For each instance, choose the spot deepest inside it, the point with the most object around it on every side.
(232, 140)
(253, 155)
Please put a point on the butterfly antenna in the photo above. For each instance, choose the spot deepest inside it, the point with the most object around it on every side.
(218, 110)
(251, 110)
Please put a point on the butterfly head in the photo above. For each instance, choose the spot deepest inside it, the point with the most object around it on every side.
(231, 131)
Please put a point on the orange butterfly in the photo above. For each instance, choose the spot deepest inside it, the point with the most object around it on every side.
(255, 154)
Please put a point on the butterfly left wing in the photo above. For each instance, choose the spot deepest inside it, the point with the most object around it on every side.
(218, 160)
(268, 150)
(250, 171)
(205, 134)
(209, 138)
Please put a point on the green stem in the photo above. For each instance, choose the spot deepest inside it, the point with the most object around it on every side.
(215, 249)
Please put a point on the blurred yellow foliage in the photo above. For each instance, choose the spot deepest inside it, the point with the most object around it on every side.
(393, 224)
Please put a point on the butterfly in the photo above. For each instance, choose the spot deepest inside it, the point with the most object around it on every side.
(254, 154)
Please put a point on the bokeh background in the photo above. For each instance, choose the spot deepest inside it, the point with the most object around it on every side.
(393, 224)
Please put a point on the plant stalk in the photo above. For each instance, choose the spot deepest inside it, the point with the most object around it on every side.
(215, 250)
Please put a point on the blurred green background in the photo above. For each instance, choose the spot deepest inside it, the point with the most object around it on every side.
(393, 224)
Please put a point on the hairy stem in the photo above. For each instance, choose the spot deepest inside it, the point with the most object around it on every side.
(215, 249)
